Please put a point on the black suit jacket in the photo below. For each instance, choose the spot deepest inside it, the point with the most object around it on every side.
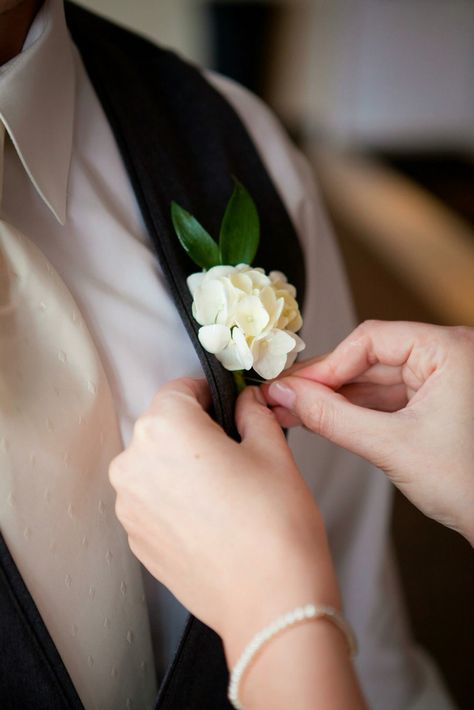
(180, 140)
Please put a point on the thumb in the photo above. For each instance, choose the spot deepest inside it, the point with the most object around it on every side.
(365, 432)
(255, 422)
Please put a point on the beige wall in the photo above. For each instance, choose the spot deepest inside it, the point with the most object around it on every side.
(393, 73)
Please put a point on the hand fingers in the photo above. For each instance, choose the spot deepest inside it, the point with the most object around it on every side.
(183, 401)
(302, 364)
(363, 431)
(390, 398)
(256, 423)
(179, 410)
(381, 375)
(285, 418)
(376, 374)
(373, 342)
(184, 392)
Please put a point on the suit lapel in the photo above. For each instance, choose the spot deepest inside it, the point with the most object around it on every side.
(25, 644)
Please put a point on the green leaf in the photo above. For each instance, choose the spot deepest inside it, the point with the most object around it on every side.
(200, 246)
(240, 228)
(239, 380)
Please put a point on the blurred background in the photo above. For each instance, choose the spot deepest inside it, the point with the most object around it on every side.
(379, 94)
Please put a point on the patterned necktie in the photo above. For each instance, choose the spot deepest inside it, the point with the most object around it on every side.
(58, 433)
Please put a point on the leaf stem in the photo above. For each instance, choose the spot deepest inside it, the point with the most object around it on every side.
(239, 380)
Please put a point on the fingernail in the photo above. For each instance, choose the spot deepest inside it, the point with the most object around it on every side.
(282, 394)
(259, 396)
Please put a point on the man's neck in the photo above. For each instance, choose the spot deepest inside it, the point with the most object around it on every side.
(15, 21)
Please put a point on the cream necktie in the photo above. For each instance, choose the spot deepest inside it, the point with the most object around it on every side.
(58, 433)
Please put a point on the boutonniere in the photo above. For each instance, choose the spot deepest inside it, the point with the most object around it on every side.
(249, 319)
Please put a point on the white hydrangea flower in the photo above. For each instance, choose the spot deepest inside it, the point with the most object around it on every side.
(247, 318)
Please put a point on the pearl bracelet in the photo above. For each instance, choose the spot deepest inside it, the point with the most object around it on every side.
(301, 613)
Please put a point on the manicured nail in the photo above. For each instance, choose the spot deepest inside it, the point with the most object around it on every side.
(282, 394)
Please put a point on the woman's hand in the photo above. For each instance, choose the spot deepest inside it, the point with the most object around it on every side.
(419, 379)
(230, 528)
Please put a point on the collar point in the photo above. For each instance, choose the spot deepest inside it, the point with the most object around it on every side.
(59, 210)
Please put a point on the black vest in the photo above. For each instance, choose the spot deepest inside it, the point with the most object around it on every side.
(179, 140)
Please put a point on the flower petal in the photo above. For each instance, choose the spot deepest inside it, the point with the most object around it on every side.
(218, 272)
(210, 301)
(273, 305)
(269, 365)
(299, 342)
(259, 278)
(279, 281)
(270, 353)
(195, 280)
(251, 316)
(242, 281)
(299, 346)
(240, 341)
(214, 338)
(237, 355)
(295, 322)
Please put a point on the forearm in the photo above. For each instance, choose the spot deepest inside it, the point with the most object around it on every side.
(305, 665)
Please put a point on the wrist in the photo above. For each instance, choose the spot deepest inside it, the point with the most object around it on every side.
(296, 583)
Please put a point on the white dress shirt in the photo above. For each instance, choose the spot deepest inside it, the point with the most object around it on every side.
(66, 187)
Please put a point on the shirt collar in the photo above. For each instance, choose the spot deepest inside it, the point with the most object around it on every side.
(37, 105)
